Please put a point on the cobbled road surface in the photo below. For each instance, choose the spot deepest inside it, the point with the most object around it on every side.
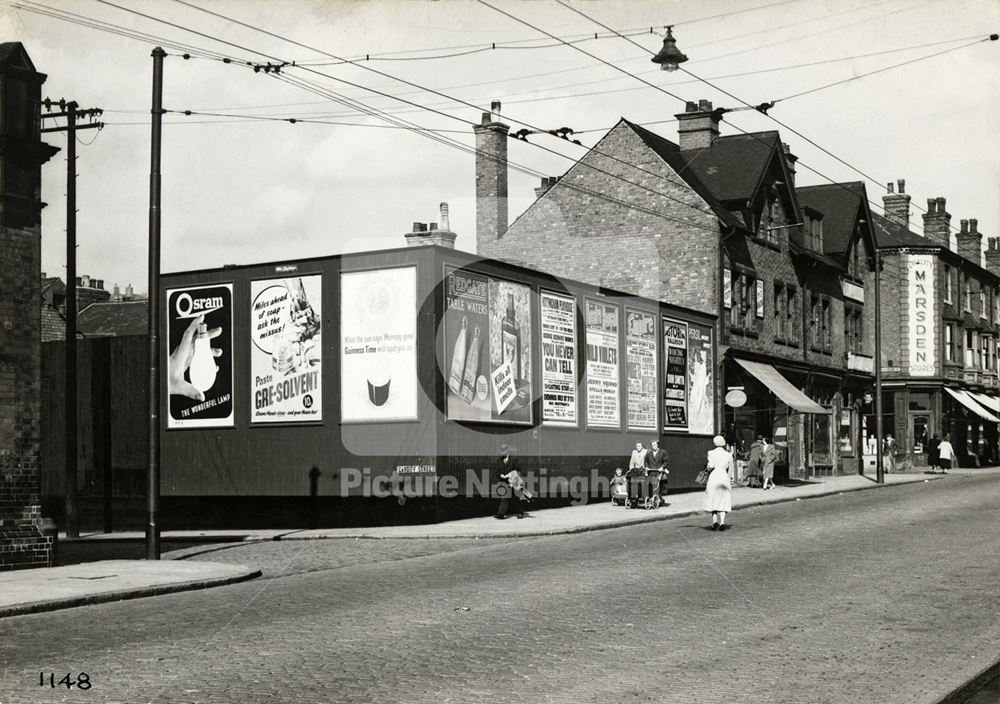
(884, 596)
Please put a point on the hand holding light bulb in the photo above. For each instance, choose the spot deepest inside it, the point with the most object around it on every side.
(195, 353)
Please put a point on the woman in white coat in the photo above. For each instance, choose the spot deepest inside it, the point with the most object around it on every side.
(718, 496)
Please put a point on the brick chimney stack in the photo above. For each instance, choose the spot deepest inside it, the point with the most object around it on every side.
(424, 233)
(698, 126)
(993, 255)
(937, 223)
(491, 178)
(547, 183)
(970, 242)
(897, 205)
(790, 160)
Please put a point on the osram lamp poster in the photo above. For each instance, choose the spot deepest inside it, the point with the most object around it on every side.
(378, 353)
(488, 346)
(200, 356)
(286, 351)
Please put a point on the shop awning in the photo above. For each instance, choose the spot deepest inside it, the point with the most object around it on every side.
(966, 400)
(992, 403)
(782, 387)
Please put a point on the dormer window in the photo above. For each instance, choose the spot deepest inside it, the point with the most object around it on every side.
(813, 229)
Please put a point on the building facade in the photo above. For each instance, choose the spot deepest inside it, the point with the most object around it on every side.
(713, 223)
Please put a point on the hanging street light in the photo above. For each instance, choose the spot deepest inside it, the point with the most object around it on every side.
(670, 57)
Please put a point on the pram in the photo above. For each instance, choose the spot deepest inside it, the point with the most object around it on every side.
(647, 489)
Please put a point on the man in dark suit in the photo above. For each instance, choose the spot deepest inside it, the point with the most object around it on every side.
(655, 461)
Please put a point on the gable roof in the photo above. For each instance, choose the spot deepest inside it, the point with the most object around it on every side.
(14, 54)
(671, 153)
(734, 166)
(113, 319)
(839, 204)
(891, 234)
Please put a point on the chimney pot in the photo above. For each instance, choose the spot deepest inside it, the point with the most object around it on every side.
(495, 106)
(902, 185)
(445, 218)
(691, 106)
(941, 202)
(705, 105)
(432, 227)
(128, 290)
(487, 118)
(965, 226)
(416, 227)
(891, 188)
(931, 205)
(974, 226)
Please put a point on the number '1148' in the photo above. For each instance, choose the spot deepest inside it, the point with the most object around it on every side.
(81, 682)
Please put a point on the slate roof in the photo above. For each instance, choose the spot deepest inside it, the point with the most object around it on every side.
(53, 324)
(890, 234)
(717, 167)
(112, 319)
(839, 203)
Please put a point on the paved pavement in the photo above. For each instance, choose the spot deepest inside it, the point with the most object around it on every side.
(867, 596)
(29, 591)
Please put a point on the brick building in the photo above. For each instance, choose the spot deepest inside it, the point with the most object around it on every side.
(712, 223)
(25, 539)
(940, 312)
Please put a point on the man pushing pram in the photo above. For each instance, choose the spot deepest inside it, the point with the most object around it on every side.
(647, 477)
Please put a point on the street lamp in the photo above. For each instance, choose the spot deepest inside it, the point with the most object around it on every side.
(670, 57)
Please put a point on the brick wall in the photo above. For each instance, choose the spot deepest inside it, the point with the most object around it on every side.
(573, 231)
(21, 541)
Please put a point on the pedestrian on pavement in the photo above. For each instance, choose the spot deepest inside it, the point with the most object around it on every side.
(637, 462)
(768, 458)
(656, 467)
(933, 453)
(718, 494)
(889, 453)
(507, 479)
(755, 468)
(946, 453)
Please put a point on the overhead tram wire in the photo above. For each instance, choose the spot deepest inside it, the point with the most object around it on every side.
(430, 90)
(748, 105)
(111, 28)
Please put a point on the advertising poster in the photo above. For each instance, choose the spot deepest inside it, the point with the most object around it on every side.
(200, 356)
(487, 330)
(701, 407)
(286, 360)
(727, 288)
(675, 387)
(558, 321)
(921, 300)
(640, 370)
(602, 365)
(378, 352)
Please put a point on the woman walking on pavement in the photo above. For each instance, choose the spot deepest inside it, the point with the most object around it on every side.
(718, 495)
(768, 458)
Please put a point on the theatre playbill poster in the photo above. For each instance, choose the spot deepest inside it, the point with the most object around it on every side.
(640, 369)
(675, 388)
(602, 365)
(487, 329)
(286, 351)
(558, 322)
(378, 352)
(701, 408)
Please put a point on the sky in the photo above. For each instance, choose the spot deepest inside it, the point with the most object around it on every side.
(244, 185)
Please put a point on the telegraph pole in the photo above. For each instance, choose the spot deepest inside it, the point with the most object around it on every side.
(153, 483)
(70, 111)
(879, 469)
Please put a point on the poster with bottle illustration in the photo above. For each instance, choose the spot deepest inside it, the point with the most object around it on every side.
(675, 385)
(199, 366)
(558, 336)
(487, 329)
(378, 351)
(640, 370)
(602, 365)
(701, 404)
(286, 351)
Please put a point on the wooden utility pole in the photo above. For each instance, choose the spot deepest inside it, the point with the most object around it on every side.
(70, 111)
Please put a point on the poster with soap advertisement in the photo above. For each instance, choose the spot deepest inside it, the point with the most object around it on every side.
(286, 351)
(200, 356)
(487, 331)
(378, 350)
(675, 387)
